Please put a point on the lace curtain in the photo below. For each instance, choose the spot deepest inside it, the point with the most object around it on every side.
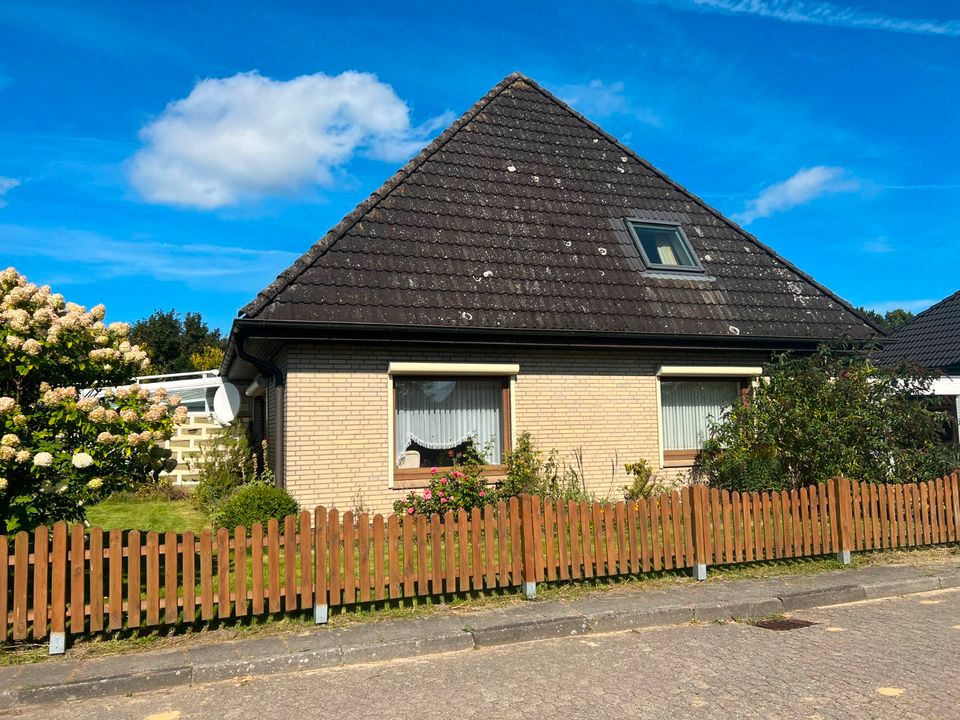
(442, 414)
(689, 405)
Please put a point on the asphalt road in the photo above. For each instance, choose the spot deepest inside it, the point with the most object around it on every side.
(896, 658)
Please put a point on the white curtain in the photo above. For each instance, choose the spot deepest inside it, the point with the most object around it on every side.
(689, 405)
(442, 414)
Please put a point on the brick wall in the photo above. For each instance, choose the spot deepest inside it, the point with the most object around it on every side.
(187, 444)
(600, 402)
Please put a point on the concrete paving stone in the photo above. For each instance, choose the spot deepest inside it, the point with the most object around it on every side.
(530, 629)
(271, 665)
(642, 617)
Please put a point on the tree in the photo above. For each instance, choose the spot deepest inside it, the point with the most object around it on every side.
(70, 432)
(174, 343)
(828, 414)
(892, 320)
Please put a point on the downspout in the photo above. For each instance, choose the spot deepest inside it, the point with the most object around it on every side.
(271, 370)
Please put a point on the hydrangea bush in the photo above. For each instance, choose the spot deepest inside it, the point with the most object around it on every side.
(70, 432)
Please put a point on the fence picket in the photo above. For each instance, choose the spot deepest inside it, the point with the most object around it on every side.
(655, 547)
(748, 529)
(463, 554)
(115, 580)
(573, 522)
(153, 578)
(41, 549)
(717, 525)
(393, 553)
(490, 549)
(223, 573)
(4, 590)
(349, 573)
(422, 546)
(58, 579)
(937, 499)
(333, 556)
(725, 506)
(21, 567)
(610, 538)
(476, 543)
(516, 556)
(379, 572)
(77, 577)
(436, 554)
(450, 554)
(633, 542)
(679, 544)
(320, 555)
(134, 606)
(363, 538)
(503, 539)
(599, 553)
(805, 527)
(258, 596)
(408, 556)
(273, 566)
(240, 592)
(189, 574)
(171, 579)
(585, 536)
(796, 545)
(549, 537)
(643, 511)
(537, 516)
(306, 562)
(686, 502)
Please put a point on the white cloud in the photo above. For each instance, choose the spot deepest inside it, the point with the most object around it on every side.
(6, 185)
(803, 186)
(245, 137)
(94, 257)
(815, 12)
(913, 306)
(877, 246)
(598, 100)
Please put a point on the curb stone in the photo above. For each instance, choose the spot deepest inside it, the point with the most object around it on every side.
(412, 638)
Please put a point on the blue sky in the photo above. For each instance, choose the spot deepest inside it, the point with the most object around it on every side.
(158, 155)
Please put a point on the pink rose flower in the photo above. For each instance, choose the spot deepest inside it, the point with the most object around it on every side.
(457, 474)
(443, 481)
(409, 511)
(443, 499)
(427, 494)
(433, 470)
(482, 493)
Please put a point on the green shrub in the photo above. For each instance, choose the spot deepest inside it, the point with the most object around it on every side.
(225, 464)
(643, 485)
(828, 414)
(255, 502)
(528, 472)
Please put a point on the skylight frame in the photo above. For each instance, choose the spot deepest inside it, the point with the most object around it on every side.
(696, 268)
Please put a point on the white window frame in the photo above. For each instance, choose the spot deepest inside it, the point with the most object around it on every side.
(751, 373)
(400, 369)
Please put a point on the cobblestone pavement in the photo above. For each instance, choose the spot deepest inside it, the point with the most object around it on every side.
(897, 658)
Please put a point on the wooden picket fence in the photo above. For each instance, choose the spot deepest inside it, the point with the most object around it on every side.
(74, 580)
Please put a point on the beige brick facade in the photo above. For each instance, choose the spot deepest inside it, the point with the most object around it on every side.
(600, 402)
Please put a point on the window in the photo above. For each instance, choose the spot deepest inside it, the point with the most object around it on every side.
(435, 418)
(664, 247)
(688, 405)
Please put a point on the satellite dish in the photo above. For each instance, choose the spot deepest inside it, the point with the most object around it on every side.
(226, 403)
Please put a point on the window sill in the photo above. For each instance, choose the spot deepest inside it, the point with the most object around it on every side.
(679, 458)
(415, 479)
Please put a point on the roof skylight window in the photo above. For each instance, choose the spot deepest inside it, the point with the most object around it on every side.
(664, 246)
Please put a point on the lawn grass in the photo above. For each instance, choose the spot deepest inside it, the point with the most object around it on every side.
(147, 514)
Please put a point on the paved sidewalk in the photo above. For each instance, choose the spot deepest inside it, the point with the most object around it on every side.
(601, 612)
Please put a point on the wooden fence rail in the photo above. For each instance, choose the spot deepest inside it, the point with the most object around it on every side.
(74, 580)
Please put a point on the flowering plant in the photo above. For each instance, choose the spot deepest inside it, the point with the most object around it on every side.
(462, 486)
(70, 432)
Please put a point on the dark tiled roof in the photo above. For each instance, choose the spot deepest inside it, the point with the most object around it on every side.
(513, 219)
(931, 339)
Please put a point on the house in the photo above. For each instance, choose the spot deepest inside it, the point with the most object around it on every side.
(525, 272)
(932, 341)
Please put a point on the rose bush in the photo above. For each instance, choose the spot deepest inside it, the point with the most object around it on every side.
(460, 487)
(71, 431)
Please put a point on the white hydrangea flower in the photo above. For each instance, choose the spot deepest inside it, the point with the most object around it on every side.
(81, 460)
(7, 453)
(43, 459)
(7, 404)
(95, 484)
(3, 483)
(23, 456)
(10, 440)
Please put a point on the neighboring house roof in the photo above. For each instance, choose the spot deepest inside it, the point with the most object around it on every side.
(513, 220)
(931, 339)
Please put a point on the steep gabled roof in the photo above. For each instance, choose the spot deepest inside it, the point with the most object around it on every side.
(931, 339)
(513, 219)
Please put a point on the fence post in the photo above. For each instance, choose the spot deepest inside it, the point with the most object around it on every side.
(843, 516)
(529, 573)
(321, 609)
(698, 518)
